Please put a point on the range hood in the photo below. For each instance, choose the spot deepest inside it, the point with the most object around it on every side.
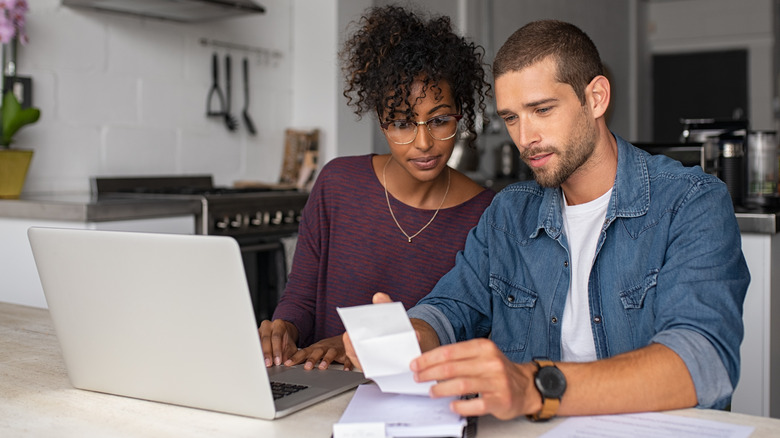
(185, 11)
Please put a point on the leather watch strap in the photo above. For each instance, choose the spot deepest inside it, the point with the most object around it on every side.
(549, 409)
(544, 363)
(549, 405)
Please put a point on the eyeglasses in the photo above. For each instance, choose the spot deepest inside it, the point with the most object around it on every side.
(442, 127)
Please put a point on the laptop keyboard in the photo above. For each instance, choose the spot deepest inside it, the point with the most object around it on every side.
(281, 389)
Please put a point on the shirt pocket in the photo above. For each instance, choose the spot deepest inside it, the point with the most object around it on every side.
(637, 303)
(634, 297)
(513, 307)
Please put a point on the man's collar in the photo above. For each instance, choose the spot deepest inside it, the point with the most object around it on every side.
(630, 192)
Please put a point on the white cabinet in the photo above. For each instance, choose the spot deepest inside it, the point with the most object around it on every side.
(19, 283)
(758, 390)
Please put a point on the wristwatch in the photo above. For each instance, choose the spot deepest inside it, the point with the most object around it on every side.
(551, 384)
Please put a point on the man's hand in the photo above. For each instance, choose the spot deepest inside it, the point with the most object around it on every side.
(278, 340)
(506, 389)
(322, 353)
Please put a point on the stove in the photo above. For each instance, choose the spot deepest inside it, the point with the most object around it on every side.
(258, 218)
(226, 211)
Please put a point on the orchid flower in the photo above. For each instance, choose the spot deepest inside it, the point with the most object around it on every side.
(12, 20)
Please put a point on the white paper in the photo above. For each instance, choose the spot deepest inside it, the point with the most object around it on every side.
(385, 344)
(402, 415)
(646, 425)
(359, 430)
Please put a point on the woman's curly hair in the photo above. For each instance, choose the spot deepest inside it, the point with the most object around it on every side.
(394, 48)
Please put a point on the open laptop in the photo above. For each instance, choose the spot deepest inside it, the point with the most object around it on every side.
(167, 318)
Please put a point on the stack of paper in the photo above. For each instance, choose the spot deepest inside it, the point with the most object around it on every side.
(373, 413)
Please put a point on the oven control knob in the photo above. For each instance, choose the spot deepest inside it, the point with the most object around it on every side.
(290, 217)
(237, 221)
(222, 224)
(257, 220)
(278, 218)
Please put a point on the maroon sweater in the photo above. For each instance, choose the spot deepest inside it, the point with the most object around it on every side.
(349, 248)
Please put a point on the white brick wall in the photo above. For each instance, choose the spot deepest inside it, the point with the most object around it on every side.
(124, 95)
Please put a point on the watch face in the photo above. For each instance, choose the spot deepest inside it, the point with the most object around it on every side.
(550, 382)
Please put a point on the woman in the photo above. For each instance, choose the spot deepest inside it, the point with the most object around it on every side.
(390, 223)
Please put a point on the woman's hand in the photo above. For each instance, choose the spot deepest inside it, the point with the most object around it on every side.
(278, 340)
(322, 353)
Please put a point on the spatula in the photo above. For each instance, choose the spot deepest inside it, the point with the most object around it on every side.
(230, 120)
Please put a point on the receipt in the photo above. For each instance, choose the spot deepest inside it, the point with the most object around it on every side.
(385, 344)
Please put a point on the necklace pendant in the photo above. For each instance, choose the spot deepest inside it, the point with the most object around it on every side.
(410, 239)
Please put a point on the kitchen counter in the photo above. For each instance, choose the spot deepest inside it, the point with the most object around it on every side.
(758, 222)
(37, 400)
(85, 208)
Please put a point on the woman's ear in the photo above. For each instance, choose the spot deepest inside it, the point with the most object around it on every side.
(598, 94)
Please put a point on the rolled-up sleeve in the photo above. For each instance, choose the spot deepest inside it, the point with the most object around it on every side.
(710, 378)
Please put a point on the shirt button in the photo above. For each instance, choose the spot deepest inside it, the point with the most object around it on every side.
(511, 298)
(566, 264)
(597, 319)
(554, 320)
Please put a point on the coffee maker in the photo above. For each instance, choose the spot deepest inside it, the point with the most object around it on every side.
(747, 161)
(723, 150)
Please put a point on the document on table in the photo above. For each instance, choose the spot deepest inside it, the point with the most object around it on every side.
(646, 425)
(385, 344)
(372, 413)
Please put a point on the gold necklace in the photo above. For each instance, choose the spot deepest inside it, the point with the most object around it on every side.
(387, 197)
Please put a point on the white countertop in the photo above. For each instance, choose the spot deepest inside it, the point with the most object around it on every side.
(37, 400)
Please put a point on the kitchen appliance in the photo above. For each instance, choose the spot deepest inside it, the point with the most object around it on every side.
(507, 160)
(731, 166)
(707, 133)
(763, 169)
(689, 154)
(465, 154)
(259, 218)
(185, 11)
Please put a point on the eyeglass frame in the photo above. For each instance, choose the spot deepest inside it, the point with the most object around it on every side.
(457, 117)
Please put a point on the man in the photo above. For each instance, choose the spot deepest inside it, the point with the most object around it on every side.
(613, 283)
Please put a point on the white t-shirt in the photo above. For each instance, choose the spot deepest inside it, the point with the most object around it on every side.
(582, 224)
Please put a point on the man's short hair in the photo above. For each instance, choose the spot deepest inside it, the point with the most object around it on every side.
(576, 56)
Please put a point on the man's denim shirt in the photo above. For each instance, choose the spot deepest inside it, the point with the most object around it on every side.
(669, 269)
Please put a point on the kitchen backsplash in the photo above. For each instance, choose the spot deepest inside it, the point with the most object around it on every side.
(123, 95)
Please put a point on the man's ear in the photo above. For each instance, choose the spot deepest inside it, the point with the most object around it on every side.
(598, 94)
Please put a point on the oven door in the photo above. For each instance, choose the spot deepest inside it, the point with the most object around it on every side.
(265, 264)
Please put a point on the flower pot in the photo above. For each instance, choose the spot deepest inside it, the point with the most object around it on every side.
(13, 171)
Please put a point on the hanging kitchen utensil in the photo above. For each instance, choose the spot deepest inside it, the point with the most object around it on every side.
(230, 120)
(215, 90)
(250, 126)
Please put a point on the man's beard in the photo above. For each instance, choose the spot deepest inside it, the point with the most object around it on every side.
(572, 157)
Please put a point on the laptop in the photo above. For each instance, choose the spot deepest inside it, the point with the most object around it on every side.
(167, 318)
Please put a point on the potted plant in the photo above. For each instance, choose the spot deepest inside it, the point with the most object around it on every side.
(13, 162)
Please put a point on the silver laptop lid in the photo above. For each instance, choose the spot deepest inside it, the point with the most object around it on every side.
(155, 316)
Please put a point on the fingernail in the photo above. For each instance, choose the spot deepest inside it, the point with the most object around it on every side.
(267, 362)
(278, 360)
(288, 362)
(323, 365)
(308, 365)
